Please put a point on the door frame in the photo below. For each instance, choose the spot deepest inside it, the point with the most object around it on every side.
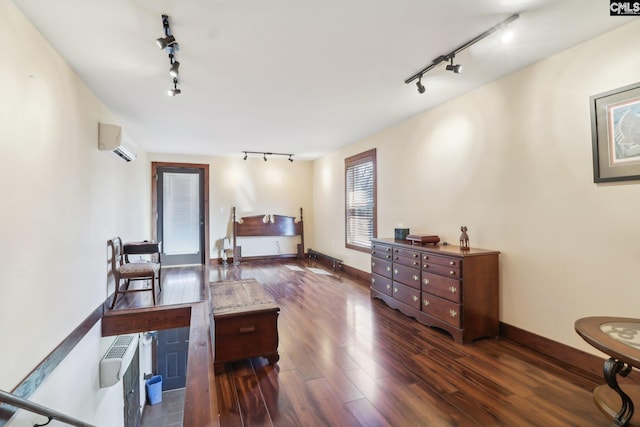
(154, 200)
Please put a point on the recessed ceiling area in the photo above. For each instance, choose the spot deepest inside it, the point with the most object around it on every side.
(302, 77)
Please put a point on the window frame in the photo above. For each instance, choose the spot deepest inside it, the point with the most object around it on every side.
(350, 162)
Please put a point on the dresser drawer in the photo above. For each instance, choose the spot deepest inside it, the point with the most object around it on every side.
(381, 284)
(410, 262)
(453, 272)
(407, 275)
(442, 309)
(441, 260)
(407, 295)
(381, 251)
(441, 286)
(381, 267)
(406, 253)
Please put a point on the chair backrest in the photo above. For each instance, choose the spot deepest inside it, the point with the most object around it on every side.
(116, 253)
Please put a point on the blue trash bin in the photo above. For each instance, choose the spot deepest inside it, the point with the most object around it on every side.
(154, 389)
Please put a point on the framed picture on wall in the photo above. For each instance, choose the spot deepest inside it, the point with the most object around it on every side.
(615, 133)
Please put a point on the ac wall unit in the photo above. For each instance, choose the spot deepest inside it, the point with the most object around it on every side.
(110, 139)
(117, 359)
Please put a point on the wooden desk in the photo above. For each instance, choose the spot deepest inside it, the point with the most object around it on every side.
(245, 322)
(619, 337)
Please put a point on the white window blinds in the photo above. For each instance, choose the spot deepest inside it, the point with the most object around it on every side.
(360, 179)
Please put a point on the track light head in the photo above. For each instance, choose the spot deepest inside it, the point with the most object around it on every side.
(175, 91)
(291, 158)
(164, 42)
(457, 69)
(173, 71)
(421, 87)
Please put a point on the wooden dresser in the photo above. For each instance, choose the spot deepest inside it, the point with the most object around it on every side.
(439, 285)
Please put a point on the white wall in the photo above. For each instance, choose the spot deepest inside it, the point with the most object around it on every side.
(512, 161)
(62, 199)
(254, 187)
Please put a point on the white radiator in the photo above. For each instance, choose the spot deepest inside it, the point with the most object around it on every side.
(117, 359)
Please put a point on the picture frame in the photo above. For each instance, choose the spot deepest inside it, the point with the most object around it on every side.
(615, 133)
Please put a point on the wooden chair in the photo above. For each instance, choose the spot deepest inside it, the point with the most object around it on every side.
(122, 269)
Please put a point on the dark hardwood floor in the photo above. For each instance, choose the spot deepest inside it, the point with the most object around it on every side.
(348, 360)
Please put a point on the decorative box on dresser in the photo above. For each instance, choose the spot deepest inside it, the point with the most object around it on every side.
(439, 285)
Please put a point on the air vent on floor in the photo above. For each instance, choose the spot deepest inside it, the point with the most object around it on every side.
(117, 359)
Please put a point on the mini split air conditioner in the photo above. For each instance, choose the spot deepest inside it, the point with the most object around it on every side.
(110, 139)
(117, 359)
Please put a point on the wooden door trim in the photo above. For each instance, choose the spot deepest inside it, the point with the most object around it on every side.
(154, 200)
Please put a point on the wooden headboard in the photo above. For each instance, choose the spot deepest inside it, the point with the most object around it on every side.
(266, 225)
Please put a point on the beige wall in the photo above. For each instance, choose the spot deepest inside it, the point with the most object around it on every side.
(61, 200)
(512, 161)
(254, 187)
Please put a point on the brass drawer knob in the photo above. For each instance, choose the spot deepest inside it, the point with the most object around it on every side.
(453, 313)
(452, 263)
(416, 278)
(415, 298)
(388, 287)
(388, 268)
(373, 263)
(426, 303)
(415, 263)
(425, 281)
(425, 257)
(415, 255)
(388, 256)
(453, 289)
(452, 273)
(395, 290)
(395, 271)
(425, 265)
(373, 280)
(395, 258)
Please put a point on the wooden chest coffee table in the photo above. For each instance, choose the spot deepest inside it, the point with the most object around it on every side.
(244, 322)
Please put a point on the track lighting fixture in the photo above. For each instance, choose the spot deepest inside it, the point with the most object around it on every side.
(168, 43)
(457, 69)
(265, 154)
(421, 87)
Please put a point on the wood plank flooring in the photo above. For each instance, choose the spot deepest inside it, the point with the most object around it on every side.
(348, 360)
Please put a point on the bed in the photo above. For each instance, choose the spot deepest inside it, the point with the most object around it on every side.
(267, 225)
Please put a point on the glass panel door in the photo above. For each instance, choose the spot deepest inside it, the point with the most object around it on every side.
(181, 215)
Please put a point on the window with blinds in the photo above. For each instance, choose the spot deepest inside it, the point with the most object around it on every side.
(360, 192)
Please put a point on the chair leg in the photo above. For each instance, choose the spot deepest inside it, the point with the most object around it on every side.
(115, 294)
(160, 279)
(153, 288)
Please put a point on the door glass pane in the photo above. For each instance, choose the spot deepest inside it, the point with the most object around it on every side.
(181, 224)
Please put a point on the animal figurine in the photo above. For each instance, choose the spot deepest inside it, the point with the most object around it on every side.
(464, 238)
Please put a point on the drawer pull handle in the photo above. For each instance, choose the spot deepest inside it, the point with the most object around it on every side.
(395, 271)
(415, 298)
(452, 263)
(425, 281)
(453, 313)
(388, 256)
(395, 290)
(453, 289)
(452, 273)
(388, 268)
(425, 265)
(426, 303)
(388, 287)
(415, 255)
(425, 257)
(416, 278)
(246, 330)
(415, 263)
(373, 280)
(373, 263)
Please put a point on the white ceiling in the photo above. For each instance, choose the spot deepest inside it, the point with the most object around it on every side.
(294, 76)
